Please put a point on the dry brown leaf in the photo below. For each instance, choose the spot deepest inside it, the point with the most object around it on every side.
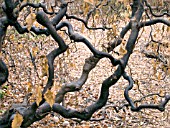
(161, 93)
(30, 20)
(122, 50)
(168, 71)
(72, 65)
(86, 8)
(29, 87)
(34, 51)
(159, 76)
(17, 121)
(89, 1)
(38, 94)
(82, 28)
(49, 97)
(114, 29)
(44, 67)
(68, 52)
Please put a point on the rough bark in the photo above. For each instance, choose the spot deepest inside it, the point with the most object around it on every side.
(33, 112)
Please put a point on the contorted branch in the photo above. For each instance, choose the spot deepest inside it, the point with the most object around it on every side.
(154, 21)
(87, 112)
(160, 107)
(79, 38)
(156, 15)
(43, 19)
(3, 67)
(86, 20)
(90, 63)
(33, 112)
(118, 41)
(39, 5)
(3, 72)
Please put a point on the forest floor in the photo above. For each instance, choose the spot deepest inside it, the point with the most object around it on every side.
(68, 67)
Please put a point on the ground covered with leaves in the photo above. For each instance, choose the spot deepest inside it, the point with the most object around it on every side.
(24, 55)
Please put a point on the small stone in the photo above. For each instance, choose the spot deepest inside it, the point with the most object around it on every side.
(66, 123)
(55, 118)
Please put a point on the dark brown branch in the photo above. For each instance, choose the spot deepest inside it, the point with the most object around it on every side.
(160, 107)
(118, 40)
(79, 38)
(3, 68)
(3, 72)
(90, 63)
(39, 5)
(33, 112)
(153, 55)
(87, 112)
(85, 21)
(151, 11)
(154, 21)
(43, 19)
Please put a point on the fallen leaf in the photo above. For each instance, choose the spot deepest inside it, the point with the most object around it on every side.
(49, 97)
(30, 20)
(17, 121)
(38, 95)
